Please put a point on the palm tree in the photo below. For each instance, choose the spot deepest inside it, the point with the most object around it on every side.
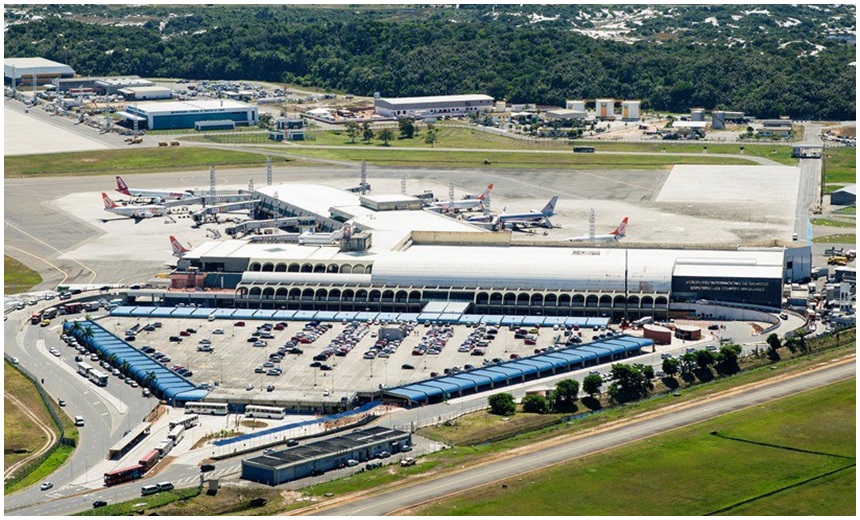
(150, 378)
(112, 359)
(87, 334)
(76, 326)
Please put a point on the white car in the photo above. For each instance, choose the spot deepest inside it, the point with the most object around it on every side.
(218, 331)
(15, 361)
(46, 485)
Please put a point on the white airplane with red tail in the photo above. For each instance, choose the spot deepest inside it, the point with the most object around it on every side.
(472, 203)
(155, 195)
(135, 212)
(178, 249)
(616, 235)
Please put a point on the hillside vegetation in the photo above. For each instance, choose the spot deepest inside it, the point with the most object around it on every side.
(765, 62)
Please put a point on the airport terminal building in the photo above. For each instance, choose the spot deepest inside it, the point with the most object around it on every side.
(397, 259)
(184, 114)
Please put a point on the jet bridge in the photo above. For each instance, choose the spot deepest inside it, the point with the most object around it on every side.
(206, 200)
(244, 228)
(203, 214)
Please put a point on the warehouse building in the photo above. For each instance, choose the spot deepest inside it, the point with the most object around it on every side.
(315, 458)
(184, 114)
(100, 85)
(26, 71)
(846, 196)
(145, 93)
(433, 106)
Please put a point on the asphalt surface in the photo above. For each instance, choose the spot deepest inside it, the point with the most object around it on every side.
(394, 500)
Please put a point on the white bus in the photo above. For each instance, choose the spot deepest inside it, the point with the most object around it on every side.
(188, 422)
(99, 378)
(264, 412)
(206, 408)
(164, 447)
(176, 434)
(84, 369)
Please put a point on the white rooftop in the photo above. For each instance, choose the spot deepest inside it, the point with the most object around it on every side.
(28, 66)
(32, 62)
(155, 107)
(689, 124)
(438, 99)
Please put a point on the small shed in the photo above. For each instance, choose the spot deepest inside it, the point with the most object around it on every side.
(656, 333)
(688, 332)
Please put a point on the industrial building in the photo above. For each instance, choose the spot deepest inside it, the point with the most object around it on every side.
(34, 70)
(433, 106)
(145, 93)
(278, 467)
(184, 114)
(719, 119)
(630, 110)
(605, 108)
(846, 196)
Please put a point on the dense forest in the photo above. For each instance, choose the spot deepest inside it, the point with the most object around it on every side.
(714, 58)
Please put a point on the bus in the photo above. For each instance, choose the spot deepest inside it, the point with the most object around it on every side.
(583, 149)
(99, 378)
(129, 441)
(36, 318)
(123, 475)
(206, 408)
(84, 369)
(176, 434)
(188, 422)
(149, 460)
(164, 448)
(49, 313)
(264, 412)
(73, 308)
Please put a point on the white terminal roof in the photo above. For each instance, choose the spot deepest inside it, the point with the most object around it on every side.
(438, 99)
(168, 107)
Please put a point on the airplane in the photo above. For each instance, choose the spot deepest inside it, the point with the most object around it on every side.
(135, 212)
(178, 249)
(532, 218)
(616, 235)
(469, 203)
(155, 195)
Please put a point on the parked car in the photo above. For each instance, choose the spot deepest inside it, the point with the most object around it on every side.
(46, 485)
(99, 503)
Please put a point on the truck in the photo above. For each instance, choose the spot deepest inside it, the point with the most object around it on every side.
(837, 260)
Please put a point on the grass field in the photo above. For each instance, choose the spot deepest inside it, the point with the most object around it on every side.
(21, 436)
(465, 138)
(836, 239)
(847, 210)
(840, 165)
(690, 472)
(142, 503)
(504, 160)
(831, 222)
(17, 277)
(132, 160)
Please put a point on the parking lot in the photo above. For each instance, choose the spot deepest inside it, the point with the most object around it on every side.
(221, 353)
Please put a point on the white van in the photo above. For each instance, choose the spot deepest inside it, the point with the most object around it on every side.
(149, 489)
(165, 486)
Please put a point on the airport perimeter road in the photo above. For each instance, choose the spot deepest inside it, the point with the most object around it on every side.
(442, 485)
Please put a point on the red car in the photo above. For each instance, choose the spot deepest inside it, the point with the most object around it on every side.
(239, 324)
(515, 356)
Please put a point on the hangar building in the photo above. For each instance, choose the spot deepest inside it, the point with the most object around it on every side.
(184, 114)
(400, 260)
(433, 106)
(845, 196)
(23, 70)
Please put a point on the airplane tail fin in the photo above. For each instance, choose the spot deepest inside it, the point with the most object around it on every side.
(549, 209)
(621, 230)
(121, 186)
(109, 204)
(486, 192)
(178, 249)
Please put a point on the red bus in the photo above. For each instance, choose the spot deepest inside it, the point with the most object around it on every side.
(123, 475)
(36, 318)
(73, 308)
(148, 461)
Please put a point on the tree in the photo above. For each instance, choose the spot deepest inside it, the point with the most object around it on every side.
(112, 359)
(502, 404)
(688, 361)
(727, 358)
(386, 135)
(647, 370)
(629, 383)
(366, 132)
(352, 130)
(266, 121)
(565, 394)
(407, 127)
(535, 404)
(430, 138)
(87, 334)
(705, 358)
(671, 366)
(150, 378)
(774, 344)
(591, 384)
(76, 326)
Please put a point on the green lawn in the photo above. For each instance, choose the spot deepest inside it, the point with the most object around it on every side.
(840, 165)
(142, 503)
(690, 472)
(17, 277)
(831, 222)
(503, 160)
(465, 138)
(836, 239)
(131, 160)
(847, 210)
